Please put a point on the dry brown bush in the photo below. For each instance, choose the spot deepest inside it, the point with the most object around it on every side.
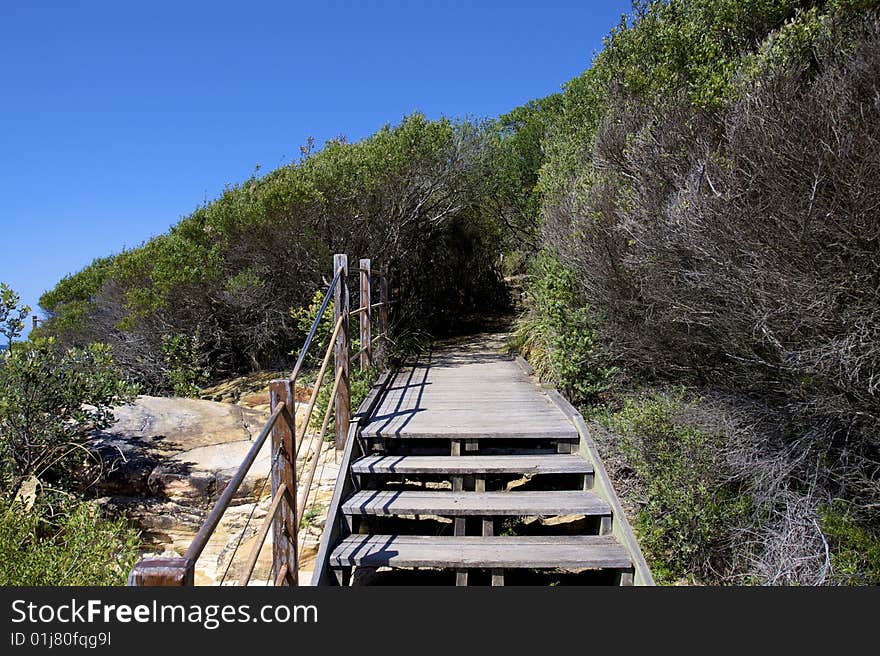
(739, 251)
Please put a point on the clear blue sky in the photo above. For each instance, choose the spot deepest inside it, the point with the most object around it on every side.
(117, 118)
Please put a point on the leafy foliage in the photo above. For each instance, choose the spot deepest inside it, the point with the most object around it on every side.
(515, 152)
(184, 371)
(304, 317)
(692, 508)
(12, 314)
(407, 196)
(708, 187)
(855, 558)
(51, 397)
(557, 336)
(67, 542)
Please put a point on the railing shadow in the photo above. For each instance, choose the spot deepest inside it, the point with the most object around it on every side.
(401, 415)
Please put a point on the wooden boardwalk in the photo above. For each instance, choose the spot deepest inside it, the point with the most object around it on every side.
(470, 392)
(462, 466)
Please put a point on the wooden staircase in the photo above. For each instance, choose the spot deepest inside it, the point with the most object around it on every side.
(462, 468)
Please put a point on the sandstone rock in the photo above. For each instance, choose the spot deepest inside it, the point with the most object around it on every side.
(171, 458)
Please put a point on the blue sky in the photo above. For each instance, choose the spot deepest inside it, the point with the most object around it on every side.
(117, 118)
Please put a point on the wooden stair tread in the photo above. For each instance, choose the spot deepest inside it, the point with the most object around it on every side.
(564, 552)
(466, 396)
(467, 431)
(461, 465)
(445, 503)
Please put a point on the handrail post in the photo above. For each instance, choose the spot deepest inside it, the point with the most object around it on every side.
(342, 351)
(366, 315)
(382, 349)
(283, 463)
(162, 572)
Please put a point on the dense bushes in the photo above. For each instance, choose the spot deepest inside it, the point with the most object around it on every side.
(556, 334)
(231, 271)
(693, 506)
(710, 187)
(67, 542)
(184, 371)
(50, 398)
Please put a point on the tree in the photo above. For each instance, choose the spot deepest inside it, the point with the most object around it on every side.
(11, 313)
(50, 398)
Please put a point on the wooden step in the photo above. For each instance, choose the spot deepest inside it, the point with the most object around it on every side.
(563, 552)
(468, 431)
(463, 465)
(487, 504)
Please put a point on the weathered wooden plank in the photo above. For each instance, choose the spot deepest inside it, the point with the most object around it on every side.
(470, 433)
(381, 354)
(462, 552)
(365, 316)
(341, 350)
(470, 395)
(280, 496)
(513, 464)
(445, 503)
(466, 395)
(524, 365)
(285, 526)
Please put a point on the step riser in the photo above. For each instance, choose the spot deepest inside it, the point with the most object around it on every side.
(470, 464)
(471, 525)
(468, 503)
(473, 446)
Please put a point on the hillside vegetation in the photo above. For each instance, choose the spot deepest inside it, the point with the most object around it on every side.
(51, 401)
(698, 217)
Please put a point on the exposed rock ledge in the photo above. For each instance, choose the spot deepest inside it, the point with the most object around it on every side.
(171, 458)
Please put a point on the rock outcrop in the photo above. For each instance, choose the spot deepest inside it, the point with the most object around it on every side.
(169, 459)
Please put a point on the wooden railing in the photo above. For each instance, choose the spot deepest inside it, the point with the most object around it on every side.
(285, 510)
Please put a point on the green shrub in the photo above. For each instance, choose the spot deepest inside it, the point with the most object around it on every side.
(855, 548)
(12, 314)
(184, 372)
(360, 381)
(556, 335)
(688, 506)
(50, 399)
(408, 195)
(303, 318)
(65, 542)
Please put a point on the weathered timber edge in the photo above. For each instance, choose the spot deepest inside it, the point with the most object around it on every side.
(524, 365)
(621, 528)
(344, 481)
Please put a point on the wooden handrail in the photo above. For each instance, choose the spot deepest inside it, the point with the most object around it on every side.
(340, 354)
(365, 308)
(213, 519)
(366, 315)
